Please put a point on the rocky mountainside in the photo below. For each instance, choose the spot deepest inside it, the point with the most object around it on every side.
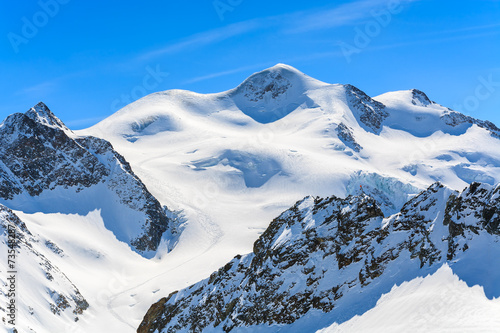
(337, 256)
(45, 167)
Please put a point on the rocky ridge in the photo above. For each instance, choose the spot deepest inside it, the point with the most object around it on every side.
(39, 154)
(323, 254)
(369, 112)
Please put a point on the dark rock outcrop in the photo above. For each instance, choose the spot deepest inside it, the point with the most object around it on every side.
(274, 84)
(346, 136)
(454, 118)
(420, 98)
(369, 112)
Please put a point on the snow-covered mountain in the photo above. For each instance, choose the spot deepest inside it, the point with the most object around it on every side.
(45, 167)
(93, 203)
(245, 155)
(328, 259)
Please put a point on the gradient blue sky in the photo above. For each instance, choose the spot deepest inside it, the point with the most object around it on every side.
(86, 58)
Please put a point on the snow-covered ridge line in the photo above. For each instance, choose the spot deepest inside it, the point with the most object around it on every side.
(332, 258)
(272, 94)
(440, 302)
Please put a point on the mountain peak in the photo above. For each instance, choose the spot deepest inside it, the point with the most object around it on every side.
(273, 79)
(282, 66)
(273, 93)
(40, 113)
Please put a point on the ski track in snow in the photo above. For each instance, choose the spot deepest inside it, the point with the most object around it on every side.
(109, 305)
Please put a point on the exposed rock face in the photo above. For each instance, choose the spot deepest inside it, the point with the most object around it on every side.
(37, 157)
(467, 214)
(453, 118)
(40, 154)
(323, 255)
(274, 93)
(420, 98)
(64, 296)
(274, 84)
(368, 111)
(345, 135)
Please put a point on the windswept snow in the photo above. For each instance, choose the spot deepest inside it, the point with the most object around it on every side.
(440, 302)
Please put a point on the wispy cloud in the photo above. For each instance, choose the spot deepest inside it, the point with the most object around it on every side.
(261, 66)
(433, 41)
(464, 29)
(207, 38)
(226, 72)
(343, 15)
(46, 87)
(296, 22)
(43, 89)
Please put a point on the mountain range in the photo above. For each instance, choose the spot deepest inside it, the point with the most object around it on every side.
(326, 196)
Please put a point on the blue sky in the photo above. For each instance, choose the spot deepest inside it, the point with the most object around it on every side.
(86, 59)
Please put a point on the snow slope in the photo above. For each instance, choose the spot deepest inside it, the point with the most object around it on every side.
(440, 302)
(34, 285)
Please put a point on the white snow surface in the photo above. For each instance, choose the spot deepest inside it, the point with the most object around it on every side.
(233, 161)
(440, 302)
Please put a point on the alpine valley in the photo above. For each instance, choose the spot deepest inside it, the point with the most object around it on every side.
(283, 205)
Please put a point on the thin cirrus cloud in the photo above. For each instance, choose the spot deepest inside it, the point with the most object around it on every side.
(261, 66)
(40, 89)
(343, 15)
(226, 72)
(338, 53)
(465, 29)
(206, 38)
(434, 41)
(290, 23)
(49, 86)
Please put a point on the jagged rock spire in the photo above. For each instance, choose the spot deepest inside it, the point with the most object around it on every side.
(42, 114)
